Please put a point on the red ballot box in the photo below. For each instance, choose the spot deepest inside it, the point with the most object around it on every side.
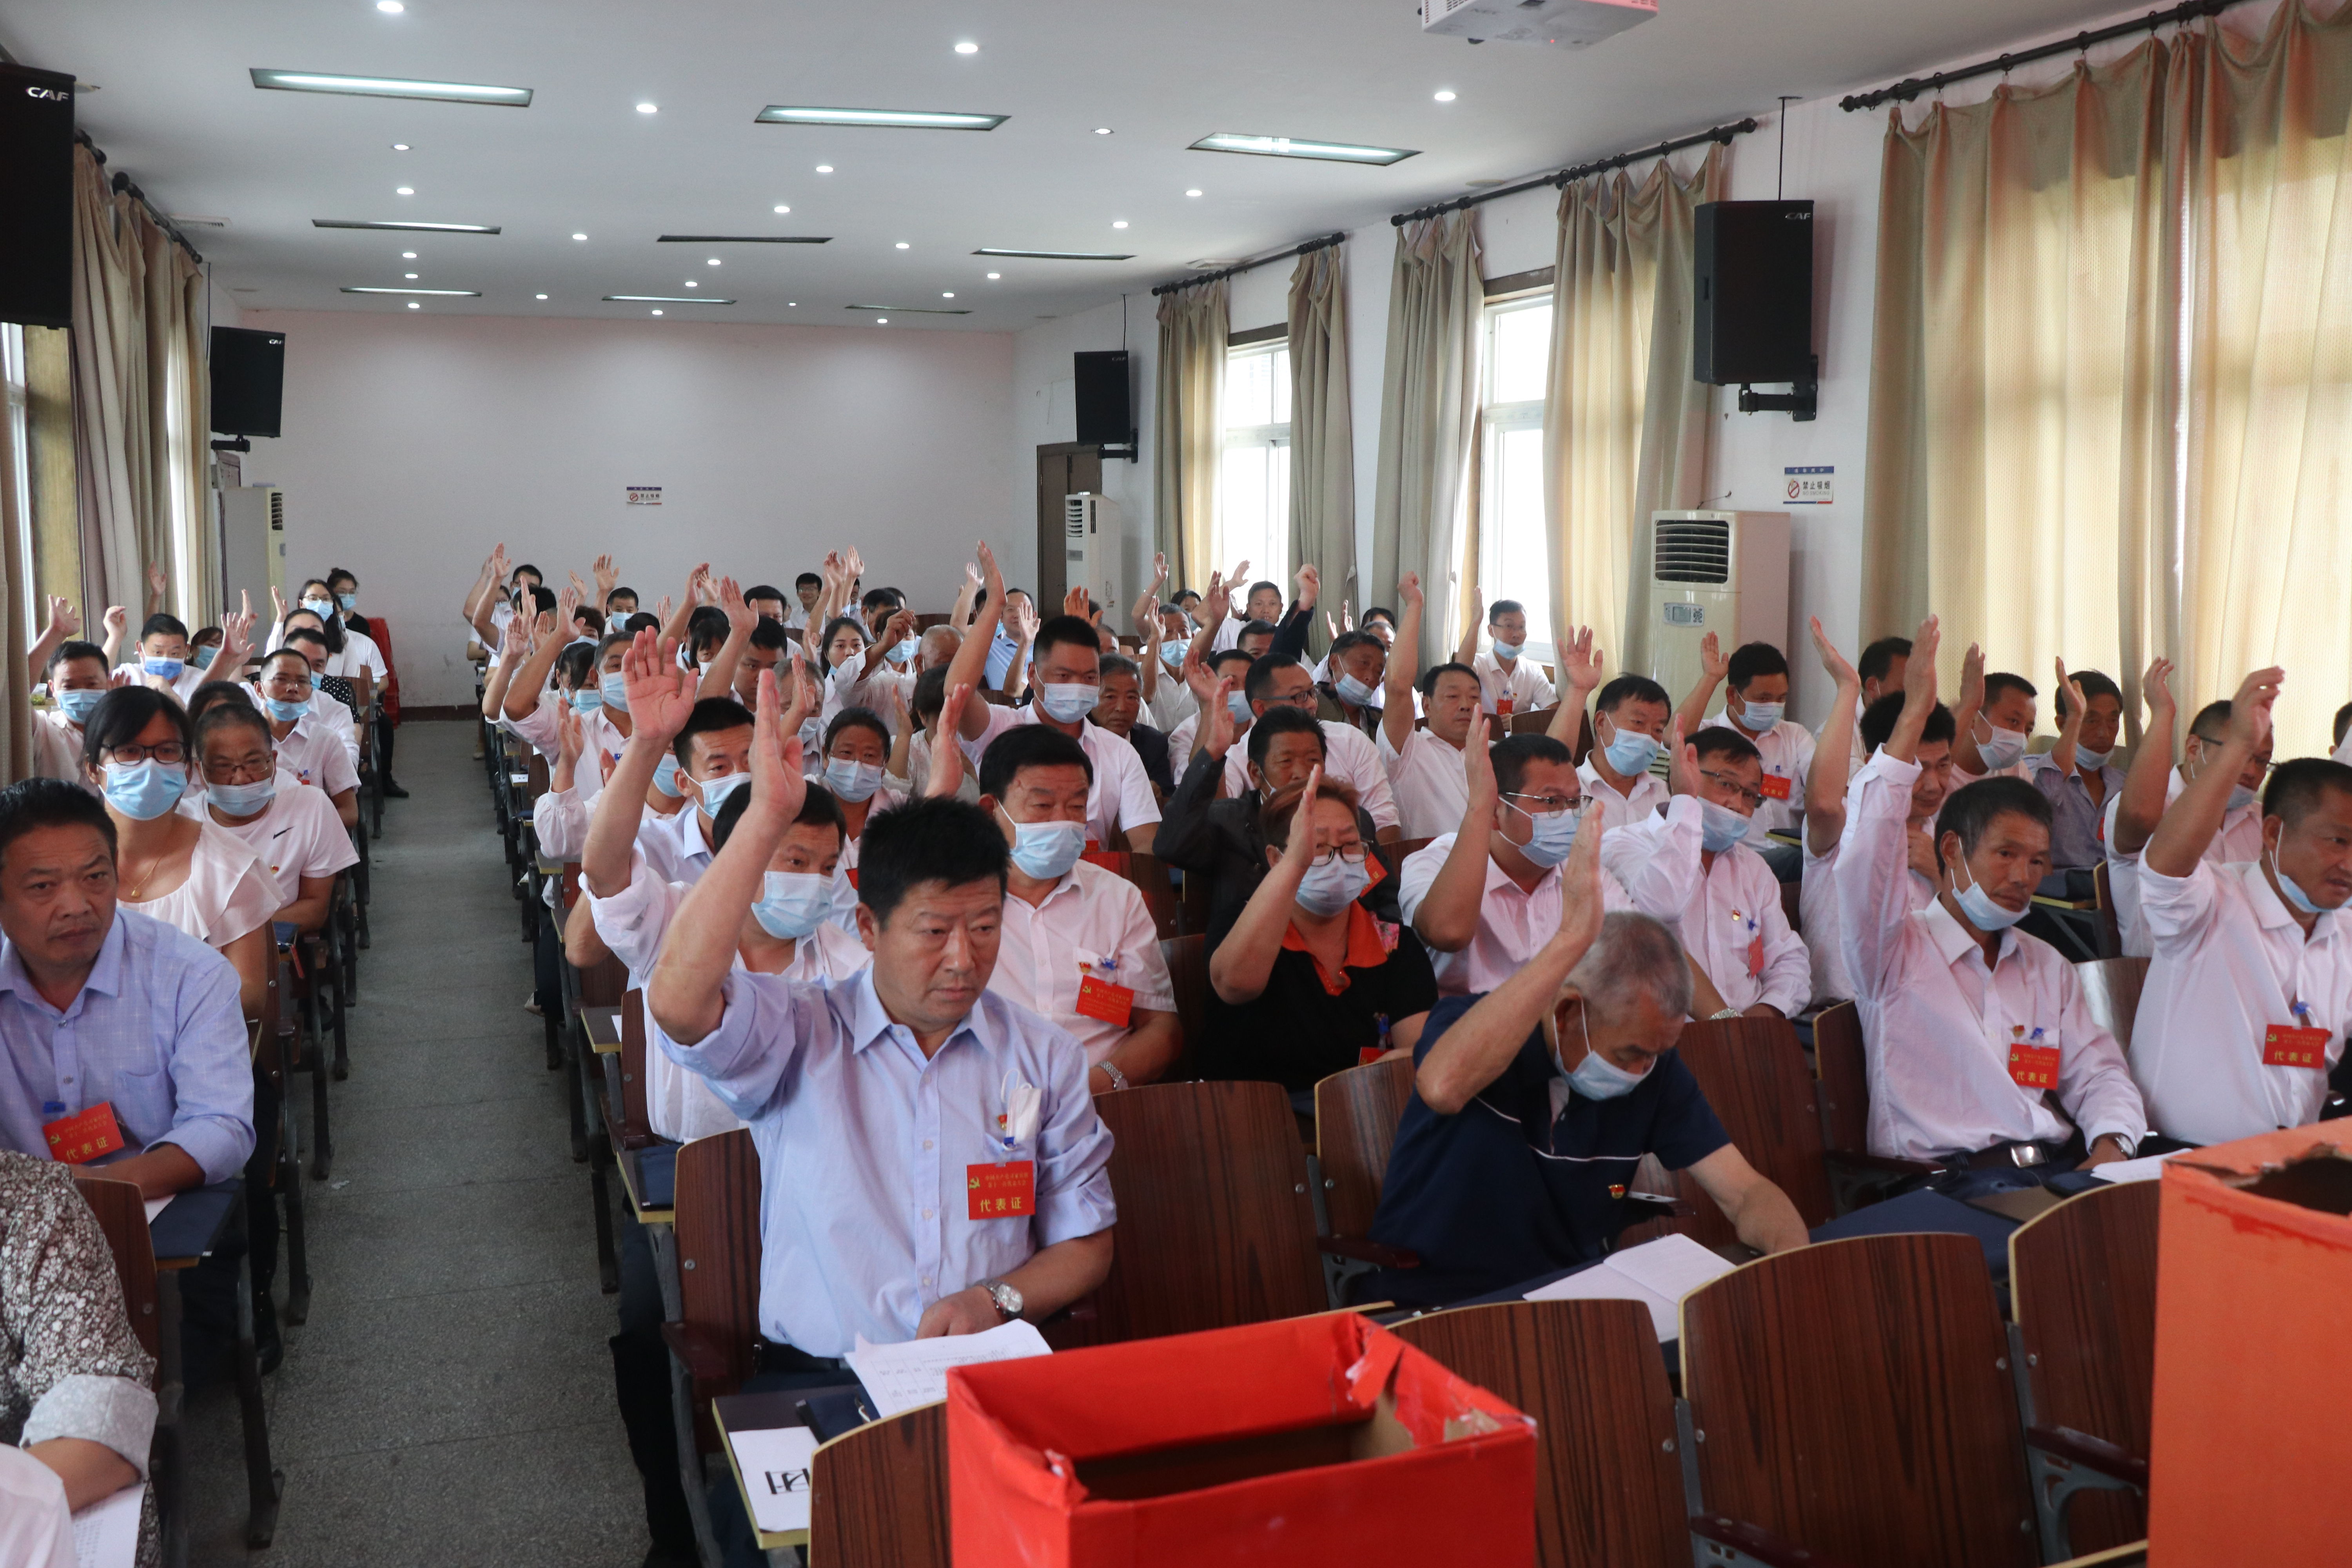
(1306, 1441)
(2254, 1367)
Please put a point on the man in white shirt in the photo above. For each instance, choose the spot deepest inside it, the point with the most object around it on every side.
(2250, 991)
(1263, 602)
(1066, 681)
(1077, 945)
(1995, 729)
(2153, 784)
(1280, 680)
(79, 681)
(1426, 765)
(1629, 735)
(1754, 709)
(1881, 670)
(1233, 666)
(806, 587)
(713, 749)
(309, 748)
(1971, 1030)
(1507, 684)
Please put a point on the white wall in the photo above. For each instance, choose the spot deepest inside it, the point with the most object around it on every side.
(413, 443)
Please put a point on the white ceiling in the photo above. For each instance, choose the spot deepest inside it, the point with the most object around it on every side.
(176, 111)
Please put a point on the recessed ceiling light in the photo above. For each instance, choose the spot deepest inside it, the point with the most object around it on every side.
(390, 7)
(908, 310)
(824, 168)
(1054, 255)
(791, 304)
(398, 224)
(712, 262)
(648, 109)
(967, 47)
(902, 244)
(414, 306)
(900, 119)
(442, 293)
(399, 146)
(1291, 147)
(390, 86)
(665, 299)
(408, 256)
(403, 189)
(579, 237)
(881, 320)
(1192, 192)
(1446, 95)
(946, 293)
(1102, 130)
(409, 274)
(993, 275)
(692, 284)
(1120, 223)
(781, 208)
(744, 239)
(656, 312)
(539, 296)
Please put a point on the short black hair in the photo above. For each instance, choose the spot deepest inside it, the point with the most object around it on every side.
(288, 650)
(1382, 611)
(213, 693)
(1751, 659)
(2297, 787)
(930, 693)
(832, 629)
(1118, 664)
(1254, 629)
(857, 717)
(805, 577)
(1261, 584)
(341, 574)
(1284, 720)
(770, 590)
(707, 628)
(1504, 608)
(1261, 671)
(1347, 640)
(643, 621)
(31, 804)
(542, 598)
(1723, 741)
(1626, 688)
(709, 716)
(1428, 681)
(576, 666)
(122, 712)
(537, 575)
(877, 598)
(1224, 656)
(1879, 657)
(305, 634)
(610, 641)
(2093, 684)
(769, 635)
(2213, 722)
(1878, 722)
(67, 652)
(948, 841)
(204, 636)
(169, 625)
(594, 617)
(1028, 746)
(1057, 630)
(226, 713)
(2000, 682)
(1512, 754)
(1971, 809)
(2343, 721)
(622, 592)
(818, 806)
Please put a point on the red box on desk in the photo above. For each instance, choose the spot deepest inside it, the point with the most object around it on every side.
(1310, 1440)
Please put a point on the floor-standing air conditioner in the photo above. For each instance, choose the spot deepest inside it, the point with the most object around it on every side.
(1720, 572)
(253, 541)
(1095, 540)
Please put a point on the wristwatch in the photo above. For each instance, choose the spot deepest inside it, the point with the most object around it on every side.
(1006, 1298)
(1118, 1079)
(1726, 1012)
(2128, 1145)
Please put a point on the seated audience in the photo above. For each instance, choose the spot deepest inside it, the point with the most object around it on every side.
(376, 629)
(1507, 684)
(1628, 734)
(1756, 675)
(1260, 606)
(308, 746)
(1357, 672)
(2078, 780)
(1120, 711)
(1993, 732)
(295, 831)
(1281, 680)
(1881, 670)
(1426, 765)
(79, 679)
(2153, 784)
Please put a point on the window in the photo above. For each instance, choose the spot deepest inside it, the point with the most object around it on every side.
(15, 408)
(1254, 491)
(1513, 560)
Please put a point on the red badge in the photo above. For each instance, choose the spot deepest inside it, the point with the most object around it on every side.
(1103, 999)
(1755, 955)
(1775, 787)
(1502, 707)
(1001, 1192)
(2033, 1067)
(2284, 1046)
(852, 875)
(1367, 1055)
(74, 1139)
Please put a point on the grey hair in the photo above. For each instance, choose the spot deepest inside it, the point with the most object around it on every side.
(1634, 954)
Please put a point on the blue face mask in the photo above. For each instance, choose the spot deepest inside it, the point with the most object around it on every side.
(1630, 752)
(1508, 649)
(1596, 1078)
(665, 776)
(1353, 691)
(1238, 706)
(1720, 827)
(1555, 835)
(169, 668)
(903, 652)
(1979, 908)
(2289, 891)
(715, 791)
(615, 689)
(322, 608)
(1171, 652)
(145, 791)
(1067, 703)
(284, 712)
(2240, 798)
(1045, 851)
(202, 657)
(1759, 716)
(350, 602)
(586, 701)
(1325, 890)
(2086, 758)
(242, 800)
(79, 705)
(2003, 750)
(793, 904)
(852, 781)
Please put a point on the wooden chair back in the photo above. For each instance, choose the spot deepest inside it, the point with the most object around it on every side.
(1194, 901)
(1150, 876)
(1393, 855)
(1214, 1227)
(2102, 900)
(718, 1233)
(633, 1117)
(536, 768)
(1752, 1071)
(2111, 988)
(2083, 1279)
(602, 983)
(1609, 1491)
(1187, 958)
(1792, 906)
(1855, 1397)
(1842, 1075)
(1535, 720)
(879, 1495)
(123, 1215)
(1356, 1117)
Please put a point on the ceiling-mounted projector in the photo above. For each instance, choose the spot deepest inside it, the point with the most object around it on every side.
(1570, 23)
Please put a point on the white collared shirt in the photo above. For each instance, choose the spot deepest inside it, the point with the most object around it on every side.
(1728, 917)
(1649, 793)
(1428, 779)
(1787, 749)
(298, 835)
(1118, 800)
(1094, 921)
(1817, 913)
(1937, 1023)
(674, 846)
(2229, 961)
(1349, 757)
(1523, 684)
(2239, 837)
(315, 753)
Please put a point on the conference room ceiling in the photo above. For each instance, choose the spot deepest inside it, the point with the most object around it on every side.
(904, 209)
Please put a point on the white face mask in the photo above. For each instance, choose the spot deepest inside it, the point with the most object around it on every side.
(2003, 750)
(1596, 1078)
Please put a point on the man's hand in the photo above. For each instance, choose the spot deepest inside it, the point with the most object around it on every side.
(662, 610)
(1478, 766)
(992, 576)
(854, 564)
(236, 636)
(1216, 716)
(607, 576)
(1919, 671)
(1310, 584)
(1299, 853)
(1920, 849)
(1711, 660)
(1216, 603)
(277, 606)
(2156, 690)
(118, 619)
(1076, 603)
(63, 621)
(579, 590)
(898, 629)
(740, 616)
(568, 742)
(156, 582)
(1581, 903)
(1579, 662)
(514, 643)
(1682, 764)
(1205, 687)
(947, 753)
(778, 787)
(498, 565)
(2250, 710)
(567, 604)
(2072, 722)
(2106, 1151)
(661, 695)
(1409, 590)
(1840, 668)
(966, 1313)
(1025, 622)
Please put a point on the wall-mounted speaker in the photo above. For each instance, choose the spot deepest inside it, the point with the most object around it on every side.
(37, 119)
(249, 380)
(1753, 318)
(1106, 410)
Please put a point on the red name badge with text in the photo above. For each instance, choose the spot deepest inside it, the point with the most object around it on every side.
(1502, 707)
(1106, 1000)
(1001, 1192)
(2033, 1067)
(1775, 787)
(84, 1136)
(2285, 1047)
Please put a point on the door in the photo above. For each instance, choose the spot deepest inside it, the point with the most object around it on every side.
(1063, 469)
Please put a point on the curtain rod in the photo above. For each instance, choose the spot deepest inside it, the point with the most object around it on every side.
(123, 183)
(1723, 134)
(1309, 248)
(1912, 87)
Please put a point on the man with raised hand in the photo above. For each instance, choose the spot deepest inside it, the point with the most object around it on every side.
(2153, 784)
(1426, 767)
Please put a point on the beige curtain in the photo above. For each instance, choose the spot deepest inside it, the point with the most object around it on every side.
(1626, 430)
(1429, 413)
(15, 622)
(178, 416)
(2258, 129)
(1322, 439)
(1188, 430)
(2020, 474)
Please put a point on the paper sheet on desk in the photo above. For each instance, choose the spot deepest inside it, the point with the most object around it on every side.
(1658, 1274)
(915, 1373)
(106, 1534)
(156, 1206)
(2146, 1168)
(775, 1465)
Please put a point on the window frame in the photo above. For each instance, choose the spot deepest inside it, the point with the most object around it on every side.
(1270, 435)
(1496, 420)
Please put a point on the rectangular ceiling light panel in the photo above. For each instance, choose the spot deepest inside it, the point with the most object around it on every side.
(900, 119)
(1057, 254)
(449, 293)
(745, 240)
(1291, 147)
(663, 299)
(427, 228)
(392, 87)
(908, 309)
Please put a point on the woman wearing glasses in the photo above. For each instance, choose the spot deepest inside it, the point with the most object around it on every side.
(1307, 983)
(174, 868)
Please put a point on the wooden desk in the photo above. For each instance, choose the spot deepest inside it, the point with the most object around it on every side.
(649, 1178)
(762, 1413)
(604, 1028)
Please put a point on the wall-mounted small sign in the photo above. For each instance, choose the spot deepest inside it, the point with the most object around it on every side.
(650, 495)
(1810, 486)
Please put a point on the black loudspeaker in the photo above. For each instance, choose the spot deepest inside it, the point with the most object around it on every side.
(1106, 416)
(1753, 319)
(37, 116)
(249, 380)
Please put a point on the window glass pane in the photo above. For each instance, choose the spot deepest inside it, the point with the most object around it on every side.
(1523, 570)
(1520, 351)
(1249, 392)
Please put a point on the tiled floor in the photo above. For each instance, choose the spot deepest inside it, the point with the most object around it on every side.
(450, 1401)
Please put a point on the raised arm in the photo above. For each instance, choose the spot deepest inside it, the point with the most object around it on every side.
(719, 674)
(1146, 630)
(1466, 650)
(2140, 804)
(522, 695)
(117, 622)
(947, 757)
(1580, 671)
(2070, 728)
(687, 601)
(661, 698)
(1238, 969)
(1874, 894)
(61, 625)
(970, 666)
(1025, 637)
(1833, 756)
(1396, 719)
(514, 652)
(1447, 916)
(1712, 667)
(2190, 822)
(959, 618)
(1966, 758)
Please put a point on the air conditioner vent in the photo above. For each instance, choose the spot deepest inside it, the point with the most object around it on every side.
(1691, 551)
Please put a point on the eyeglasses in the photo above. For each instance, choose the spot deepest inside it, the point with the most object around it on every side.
(169, 752)
(1545, 804)
(1353, 854)
(1755, 798)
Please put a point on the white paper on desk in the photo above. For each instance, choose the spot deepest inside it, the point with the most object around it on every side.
(775, 1465)
(914, 1372)
(106, 1534)
(2146, 1168)
(156, 1206)
(1658, 1274)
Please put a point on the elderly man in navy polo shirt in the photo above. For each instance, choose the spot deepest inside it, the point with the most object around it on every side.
(1515, 1152)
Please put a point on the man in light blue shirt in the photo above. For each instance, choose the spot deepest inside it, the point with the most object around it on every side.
(931, 1158)
(1003, 648)
(110, 1020)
